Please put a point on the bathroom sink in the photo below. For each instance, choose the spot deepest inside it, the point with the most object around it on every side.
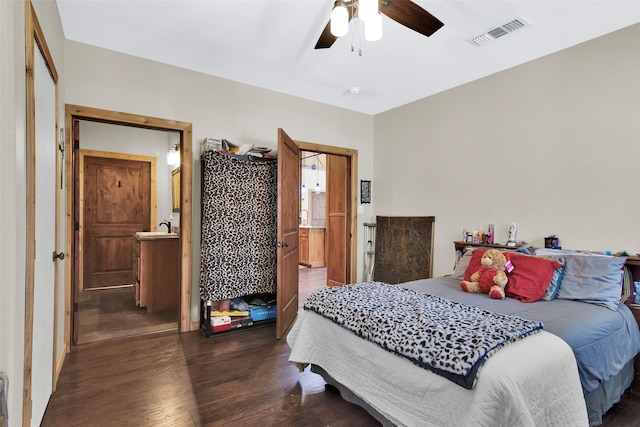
(155, 235)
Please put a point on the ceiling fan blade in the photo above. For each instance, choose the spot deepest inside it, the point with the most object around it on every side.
(326, 38)
(411, 16)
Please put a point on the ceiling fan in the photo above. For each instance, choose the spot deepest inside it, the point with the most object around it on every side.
(404, 12)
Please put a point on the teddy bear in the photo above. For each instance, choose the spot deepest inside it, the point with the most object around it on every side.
(490, 278)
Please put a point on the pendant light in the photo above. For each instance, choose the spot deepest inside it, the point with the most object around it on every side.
(317, 178)
(303, 190)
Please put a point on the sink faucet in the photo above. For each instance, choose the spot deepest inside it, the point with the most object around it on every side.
(304, 222)
(168, 224)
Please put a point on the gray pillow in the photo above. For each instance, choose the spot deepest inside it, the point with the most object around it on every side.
(552, 290)
(592, 279)
(463, 263)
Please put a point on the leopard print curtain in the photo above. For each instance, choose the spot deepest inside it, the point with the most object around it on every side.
(239, 226)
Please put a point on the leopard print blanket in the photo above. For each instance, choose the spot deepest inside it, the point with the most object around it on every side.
(451, 339)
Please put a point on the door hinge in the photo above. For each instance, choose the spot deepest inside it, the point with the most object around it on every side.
(76, 226)
(75, 307)
(76, 144)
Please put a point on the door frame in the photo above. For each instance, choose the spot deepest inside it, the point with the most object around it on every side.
(184, 129)
(35, 35)
(352, 202)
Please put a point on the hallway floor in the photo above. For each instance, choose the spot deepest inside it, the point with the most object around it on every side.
(310, 279)
(112, 313)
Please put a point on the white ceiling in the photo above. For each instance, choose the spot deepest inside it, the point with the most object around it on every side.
(270, 43)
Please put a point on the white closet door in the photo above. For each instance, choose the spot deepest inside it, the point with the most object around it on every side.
(43, 291)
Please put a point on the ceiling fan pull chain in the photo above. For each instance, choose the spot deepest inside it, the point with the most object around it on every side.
(351, 24)
(360, 29)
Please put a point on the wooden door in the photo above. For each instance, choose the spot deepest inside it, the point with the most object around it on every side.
(76, 264)
(117, 194)
(338, 237)
(288, 210)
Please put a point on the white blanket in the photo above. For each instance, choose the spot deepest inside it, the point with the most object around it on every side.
(533, 382)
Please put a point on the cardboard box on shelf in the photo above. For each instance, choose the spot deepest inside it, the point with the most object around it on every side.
(259, 312)
(220, 323)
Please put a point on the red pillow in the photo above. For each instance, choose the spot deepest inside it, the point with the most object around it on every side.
(474, 263)
(530, 277)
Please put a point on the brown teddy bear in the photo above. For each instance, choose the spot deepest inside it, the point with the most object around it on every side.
(490, 278)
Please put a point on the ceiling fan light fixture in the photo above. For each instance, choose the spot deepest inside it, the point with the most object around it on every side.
(367, 9)
(373, 28)
(339, 20)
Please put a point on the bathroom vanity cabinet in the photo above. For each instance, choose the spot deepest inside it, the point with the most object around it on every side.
(156, 267)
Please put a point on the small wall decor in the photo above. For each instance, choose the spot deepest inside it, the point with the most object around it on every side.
(365, 191)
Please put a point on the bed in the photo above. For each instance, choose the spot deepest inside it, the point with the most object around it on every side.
(569, 372)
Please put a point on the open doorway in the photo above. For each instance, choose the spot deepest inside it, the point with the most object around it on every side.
(124, 186)
(182, 257)
(312, 273)
(340, 239)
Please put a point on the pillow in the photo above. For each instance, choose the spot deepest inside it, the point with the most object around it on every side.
(463, 263)
(562, 252)
(554, 285)
(530, 277)
(628, 292)
(593, 279)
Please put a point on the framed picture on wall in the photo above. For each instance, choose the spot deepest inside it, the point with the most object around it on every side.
(365, 191)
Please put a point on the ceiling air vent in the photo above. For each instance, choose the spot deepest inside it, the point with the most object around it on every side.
(498, 32)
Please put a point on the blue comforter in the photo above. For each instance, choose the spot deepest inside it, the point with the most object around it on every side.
(602, 340)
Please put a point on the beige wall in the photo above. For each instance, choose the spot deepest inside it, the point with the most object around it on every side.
(216, 107)
(552, 145)
(12, 188)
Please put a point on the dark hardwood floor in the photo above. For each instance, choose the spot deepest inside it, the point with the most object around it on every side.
(106, 314)
(112, 313)
(167, 379)
(241, 378)
(236, 378)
